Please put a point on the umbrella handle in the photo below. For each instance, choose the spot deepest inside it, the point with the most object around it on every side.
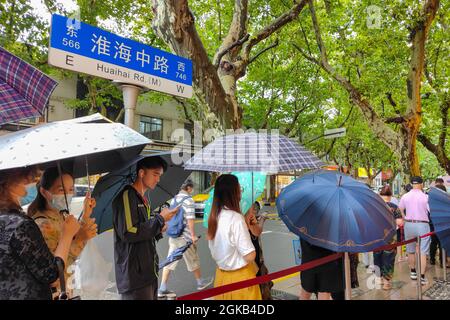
(87, 173)
(58, 164)
(89, 182)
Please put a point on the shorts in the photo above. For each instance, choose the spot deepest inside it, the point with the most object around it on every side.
(190, 256)
(413, 230)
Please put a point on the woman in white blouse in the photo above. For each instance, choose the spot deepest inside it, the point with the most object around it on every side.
(229, 241)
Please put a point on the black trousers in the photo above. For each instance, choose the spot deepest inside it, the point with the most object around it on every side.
(149, 292)
(435, 244)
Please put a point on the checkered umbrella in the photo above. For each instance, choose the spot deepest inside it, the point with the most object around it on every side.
(251, 151)
(24, 90)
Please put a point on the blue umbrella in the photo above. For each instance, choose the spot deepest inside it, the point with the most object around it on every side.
(439, 202)
(109, 186)
(176, 255)
(336, 212)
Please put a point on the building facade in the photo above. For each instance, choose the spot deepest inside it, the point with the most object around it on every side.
(158, 122)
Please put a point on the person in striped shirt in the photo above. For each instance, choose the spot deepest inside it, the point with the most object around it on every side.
(190, 255)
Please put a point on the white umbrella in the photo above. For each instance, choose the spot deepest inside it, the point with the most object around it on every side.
(104, 146)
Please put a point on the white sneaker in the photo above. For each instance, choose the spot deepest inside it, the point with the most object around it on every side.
(204, 283)
(413, 275)
(378, 281)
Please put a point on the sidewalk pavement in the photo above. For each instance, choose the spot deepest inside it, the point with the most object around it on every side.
(403, 288)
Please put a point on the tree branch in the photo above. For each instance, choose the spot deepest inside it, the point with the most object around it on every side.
(186, 113)
(277, 24)
(236, 33)
(235, 44)
(444, 124)
(322, 49)
(307, 56)
(427, 143)
(418, 37)
(329, 149)
(392, 102)
(306, 38)
(174, 24)
(380, 129)
(437, 150)
(273, 45)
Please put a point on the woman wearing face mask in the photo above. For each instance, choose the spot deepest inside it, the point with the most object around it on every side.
(27, 267)
(48, 210)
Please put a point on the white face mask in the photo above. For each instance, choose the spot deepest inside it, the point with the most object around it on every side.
(59, 202)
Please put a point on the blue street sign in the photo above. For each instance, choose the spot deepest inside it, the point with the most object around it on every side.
(80, 47)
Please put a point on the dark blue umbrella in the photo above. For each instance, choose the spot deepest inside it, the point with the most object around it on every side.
(439, 202)
(334, 211)
(109, 186)
(176, 255)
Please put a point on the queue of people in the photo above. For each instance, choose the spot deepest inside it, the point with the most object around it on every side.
(34, 245)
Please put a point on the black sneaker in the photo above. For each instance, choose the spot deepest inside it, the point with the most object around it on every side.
(413, 274)
(166, 294)
(423, 280)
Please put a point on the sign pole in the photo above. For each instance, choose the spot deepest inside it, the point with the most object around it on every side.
(444, 262)
(348, 281)
(130, 95)
(419, 269)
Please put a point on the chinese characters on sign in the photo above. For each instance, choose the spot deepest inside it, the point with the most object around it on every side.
(91, 50)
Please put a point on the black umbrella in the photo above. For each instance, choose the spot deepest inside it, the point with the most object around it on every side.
(109, 186)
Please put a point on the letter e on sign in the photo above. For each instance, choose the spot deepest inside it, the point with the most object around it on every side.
(69, 60)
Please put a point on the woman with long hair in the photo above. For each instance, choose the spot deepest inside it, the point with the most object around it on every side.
(48, 210)
(27, 267)
(229, 241)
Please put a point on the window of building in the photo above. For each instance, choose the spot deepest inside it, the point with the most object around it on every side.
(151, 127)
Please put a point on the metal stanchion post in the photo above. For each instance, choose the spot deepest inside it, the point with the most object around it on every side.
(419, 270)
(444, 262)
(348, 280)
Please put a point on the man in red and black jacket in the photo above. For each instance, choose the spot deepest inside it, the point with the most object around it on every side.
(136, 232)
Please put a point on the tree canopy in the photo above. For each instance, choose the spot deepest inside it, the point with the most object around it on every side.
(298, 66)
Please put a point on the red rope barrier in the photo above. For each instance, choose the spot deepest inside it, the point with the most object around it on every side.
(258, 280)
(208, 293)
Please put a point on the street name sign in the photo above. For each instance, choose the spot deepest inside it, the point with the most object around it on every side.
(334, 133)
(80, 47)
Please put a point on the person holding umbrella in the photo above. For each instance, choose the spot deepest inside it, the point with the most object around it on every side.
(48, 210)
(27, 266)
(136, 233)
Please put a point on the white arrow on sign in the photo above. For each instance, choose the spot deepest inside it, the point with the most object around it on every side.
(335, 133)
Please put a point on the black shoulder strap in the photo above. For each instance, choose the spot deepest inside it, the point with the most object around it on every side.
(60, 264)
(40, 217)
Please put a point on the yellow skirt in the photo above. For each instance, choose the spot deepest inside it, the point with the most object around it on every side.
(245, 273)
